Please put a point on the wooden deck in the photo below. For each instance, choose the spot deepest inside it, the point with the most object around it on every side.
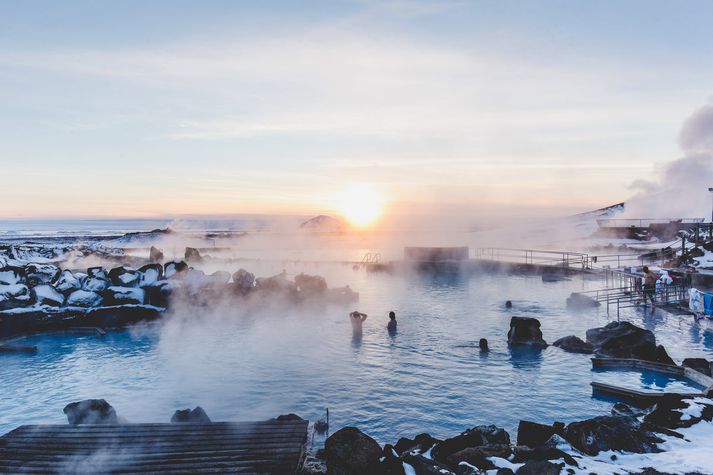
(220, 447)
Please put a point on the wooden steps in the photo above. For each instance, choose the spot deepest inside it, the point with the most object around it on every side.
(220, 447)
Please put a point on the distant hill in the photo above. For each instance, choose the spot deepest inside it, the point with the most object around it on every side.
(324, 223)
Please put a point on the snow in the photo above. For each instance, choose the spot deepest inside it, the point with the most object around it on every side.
(67, 281)
(133, 294)
(9, 277)
(705, 261)
(13, 290)
(128, 278)
(408, 469)
(47, 293)
(148, 277)
(83, 298)
(694, 409)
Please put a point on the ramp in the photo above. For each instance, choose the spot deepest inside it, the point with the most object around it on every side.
(220, 447)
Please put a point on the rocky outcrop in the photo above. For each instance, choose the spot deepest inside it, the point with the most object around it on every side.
(197, 415)
(625, 340)
(603, 433)
(45, 294)
(311, 284)
(84, 298)
(540, 468)
(192, 255)
(580, 301)
(674, 412)
(525, 331)
(36, 274)
(155, 255)
(421, 443)
(574, 344)
(701, 365)
(533, 434)
(124, 295)
(476, 437)
(351, 452)
(243, 281)
(174, 268)
(124, 277)
(90, 411)
(68, 282)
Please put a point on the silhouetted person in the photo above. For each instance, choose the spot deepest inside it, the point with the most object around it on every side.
(508, 304)
(483, 345)
(649, 285)
(392, 322)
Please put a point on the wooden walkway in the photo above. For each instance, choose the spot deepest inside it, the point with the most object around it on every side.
(221, 447)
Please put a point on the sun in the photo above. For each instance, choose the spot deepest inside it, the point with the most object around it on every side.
(361, 205)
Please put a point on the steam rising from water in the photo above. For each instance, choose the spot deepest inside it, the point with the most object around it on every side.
(681, 187)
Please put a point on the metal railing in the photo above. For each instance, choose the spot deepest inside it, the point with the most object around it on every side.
(534, 257)
(644, 222)
(631, 294)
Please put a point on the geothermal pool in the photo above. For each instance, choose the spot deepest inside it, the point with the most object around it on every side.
(429, 377)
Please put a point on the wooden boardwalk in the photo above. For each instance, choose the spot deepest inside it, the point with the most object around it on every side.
(221, 447)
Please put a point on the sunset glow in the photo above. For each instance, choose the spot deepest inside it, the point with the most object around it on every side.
(361, 205)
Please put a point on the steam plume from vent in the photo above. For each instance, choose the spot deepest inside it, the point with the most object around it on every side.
(681, 188)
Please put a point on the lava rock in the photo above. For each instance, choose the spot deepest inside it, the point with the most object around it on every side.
(504, 471)
(36, 274)
(97, 282)
(621, 409)
(538, 454)
(625, 340)
(45, 294)
(533, 434)
(390, 463)
(174, 268)
(420, 443)
(84, 298)
(580, 301)
(218, 279)
(197, 415)
(701, 365)
(98, 273)
(476, 437)
(610, 433)
(124, 276)
(288, 417)
(158, 294)
(351, 452)
(192, 254)
(477, 456)
(155, 254)
(668, 412)
(150, 274)
(91, 411)
(68, 282)
(574, 344)
(540, 468)
(115, 295)
(525, 331)
(311, 284)
(244, 280)
(11, 275)
(426, 466)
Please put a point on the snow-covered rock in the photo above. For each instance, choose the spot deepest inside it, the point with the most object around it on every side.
(36, 274)
(10, 275)
(124, 276)
(150, 274)
(84, 298)
(14, 291)
(244, 280)
(172, 268)
(45, 294)
(68, 281)
(95, 284)
(124, 295)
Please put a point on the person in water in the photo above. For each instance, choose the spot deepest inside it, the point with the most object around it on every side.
(357, 318)
(392, 322)
(649, 285)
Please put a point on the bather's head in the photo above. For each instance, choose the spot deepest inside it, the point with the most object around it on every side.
(645, 269)
(392, 315)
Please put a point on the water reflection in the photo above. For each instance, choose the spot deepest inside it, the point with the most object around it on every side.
(525, 357)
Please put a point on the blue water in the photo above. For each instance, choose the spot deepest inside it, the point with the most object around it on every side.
(430, 376)
(646, 380)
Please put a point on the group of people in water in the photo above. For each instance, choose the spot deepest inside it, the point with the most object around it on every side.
(357, 319)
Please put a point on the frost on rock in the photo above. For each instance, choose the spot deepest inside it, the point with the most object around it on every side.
(126, 295)
(9, 276)
(84, 298)
(68, 281)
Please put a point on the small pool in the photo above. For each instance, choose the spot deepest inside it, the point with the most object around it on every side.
(429, 376)
(646, 381)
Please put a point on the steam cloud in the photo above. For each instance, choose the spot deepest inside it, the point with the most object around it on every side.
(681, 189)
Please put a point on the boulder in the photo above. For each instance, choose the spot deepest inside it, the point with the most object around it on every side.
(426, 466)
(288, 417)
(580, 301)
(36, 274)
(244, 280)
(84, 298)
(476, 437)
(217, 279)
(124, 276)
(197, 415)
(604, 433)
(116, 295)
(504, 471)
(351, 452)
(390, 463)
(91, 411)
(192, 254)
(674, 412)
(68, 282)
(15, 295)
(525, 331)
(150, 274)
(625, 340)
(523, 454)
(421, 443)
(533, 434)
(540, 468)
(155, 254)
(701, 365)
(478, 456)
(45, 294)
(11, 275)
(95, 284)
(97, 272)
(574, 344)
(174, 268)
(311, 284)
(158, 294)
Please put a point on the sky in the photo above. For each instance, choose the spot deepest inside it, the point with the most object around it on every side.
(165, 108)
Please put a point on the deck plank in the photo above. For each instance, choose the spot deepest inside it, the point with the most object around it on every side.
(247, 447)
